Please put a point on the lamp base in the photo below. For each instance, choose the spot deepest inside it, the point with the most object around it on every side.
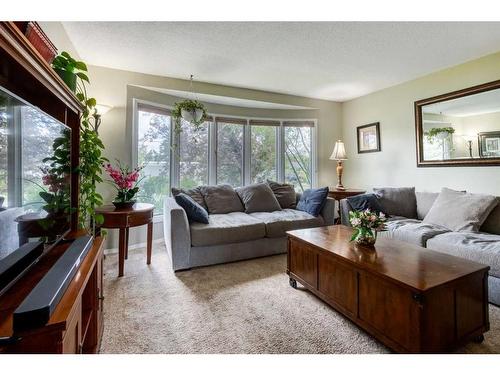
(340, 169)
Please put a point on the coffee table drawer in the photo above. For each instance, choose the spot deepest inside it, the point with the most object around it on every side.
(338, 282)
(303, 262)
(390, 309)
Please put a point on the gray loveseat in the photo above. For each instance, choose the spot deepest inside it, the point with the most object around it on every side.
(233, 236)
(482, 247)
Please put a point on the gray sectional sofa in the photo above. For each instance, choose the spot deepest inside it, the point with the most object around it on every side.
(482, 246)
(233, 236)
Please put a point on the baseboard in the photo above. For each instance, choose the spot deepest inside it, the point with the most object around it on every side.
(114, 250)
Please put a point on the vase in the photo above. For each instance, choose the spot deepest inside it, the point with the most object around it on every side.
(124, 205)
(367, 237)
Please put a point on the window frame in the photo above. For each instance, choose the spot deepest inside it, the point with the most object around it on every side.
(212, 144)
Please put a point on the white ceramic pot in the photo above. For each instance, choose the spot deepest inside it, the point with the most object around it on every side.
(192, 116)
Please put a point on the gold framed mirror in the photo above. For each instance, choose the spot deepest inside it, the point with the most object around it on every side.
(461, 128)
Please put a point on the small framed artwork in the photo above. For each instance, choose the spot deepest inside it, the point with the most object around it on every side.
(489, 144)
(369, 138)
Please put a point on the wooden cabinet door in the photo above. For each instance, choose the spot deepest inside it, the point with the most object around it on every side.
(100, 297)
(303, 262)
(338, 282)
(390, 309)
(73, 336)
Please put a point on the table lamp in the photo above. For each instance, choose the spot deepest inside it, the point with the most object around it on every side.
(339, 154)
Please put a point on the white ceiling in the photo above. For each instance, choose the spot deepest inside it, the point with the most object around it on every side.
(472, 105)
(328, 60)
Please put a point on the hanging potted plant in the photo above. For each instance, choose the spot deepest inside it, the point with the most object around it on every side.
(190, 110)
(444, 138)
(438, 133)
(69, 69)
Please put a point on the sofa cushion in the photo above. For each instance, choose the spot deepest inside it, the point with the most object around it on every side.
(479, 247)
(258, 198)
(193, 193)
(279, 222)
(492, 222)
(425, 201)
(194, 211)
(398, 201)
(365, 202)
(227, 228)
(313, 200)
(284, 193)
(221, 199)
(460, 211)
(412, 231)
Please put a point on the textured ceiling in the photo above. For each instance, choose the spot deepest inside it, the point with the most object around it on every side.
(328, 60)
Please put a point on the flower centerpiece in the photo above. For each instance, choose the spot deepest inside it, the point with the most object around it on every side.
(126, 181)
(366, 224)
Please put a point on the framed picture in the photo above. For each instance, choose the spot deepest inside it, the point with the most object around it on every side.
(369, 138)
(489, 144)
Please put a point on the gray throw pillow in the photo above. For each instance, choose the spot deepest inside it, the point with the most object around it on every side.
(398, 201)
(258, 198)
(459, 211)
(193, 193)
(492, 222)
(284, 193)
(221, 199)
(425, 201)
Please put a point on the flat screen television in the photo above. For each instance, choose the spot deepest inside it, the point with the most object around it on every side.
(35, 168)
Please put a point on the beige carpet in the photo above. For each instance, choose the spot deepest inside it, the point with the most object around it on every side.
(243, 307)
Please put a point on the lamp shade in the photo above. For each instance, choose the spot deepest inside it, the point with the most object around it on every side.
(338, 151)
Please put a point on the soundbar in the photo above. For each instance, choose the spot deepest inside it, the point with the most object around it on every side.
(15, 265)
(37, 308)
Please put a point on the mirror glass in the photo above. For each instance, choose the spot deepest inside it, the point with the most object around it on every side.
(462, 128)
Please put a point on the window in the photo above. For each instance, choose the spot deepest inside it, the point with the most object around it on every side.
(153, 151)
(263, 159)
(298, 154)
(227, 150)
(230, 151)
(193, 156)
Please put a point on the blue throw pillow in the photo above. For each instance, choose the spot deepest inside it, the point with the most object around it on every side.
(313, 200)
(194, 211)
(365, 202)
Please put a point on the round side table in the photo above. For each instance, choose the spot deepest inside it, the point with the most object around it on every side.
(123, 219)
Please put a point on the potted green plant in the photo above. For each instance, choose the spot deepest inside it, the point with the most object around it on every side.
(190, 110)
(73, 74)
(70, 70)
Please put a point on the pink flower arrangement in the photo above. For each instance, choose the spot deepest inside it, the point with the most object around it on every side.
(125, 180)
(55, 182)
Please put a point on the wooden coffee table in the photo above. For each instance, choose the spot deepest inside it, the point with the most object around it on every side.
(412, 299)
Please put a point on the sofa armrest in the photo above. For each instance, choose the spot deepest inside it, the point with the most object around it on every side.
(177, 234)
(328, 211)
(345, 207)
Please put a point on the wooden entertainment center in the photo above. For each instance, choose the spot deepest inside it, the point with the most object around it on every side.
(76, 324)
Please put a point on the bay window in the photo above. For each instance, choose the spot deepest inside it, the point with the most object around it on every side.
(263, 144)
(193, 155)
(226, 150)
(229, 154)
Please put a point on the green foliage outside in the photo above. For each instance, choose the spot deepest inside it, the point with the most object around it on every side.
(155, 151)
